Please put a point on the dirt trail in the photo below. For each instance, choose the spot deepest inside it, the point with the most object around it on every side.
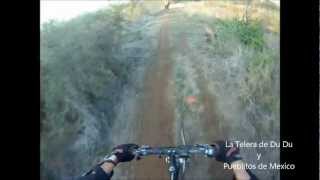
(156, 116)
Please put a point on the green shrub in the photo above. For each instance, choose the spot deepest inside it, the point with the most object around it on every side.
(250, 34)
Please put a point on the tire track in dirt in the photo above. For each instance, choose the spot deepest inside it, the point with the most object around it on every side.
(211, 122)
(156, 114)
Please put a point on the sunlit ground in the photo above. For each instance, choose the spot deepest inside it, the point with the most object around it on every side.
(230, 10)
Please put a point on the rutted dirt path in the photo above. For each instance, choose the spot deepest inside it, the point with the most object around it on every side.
(156, 116)
(156, 120)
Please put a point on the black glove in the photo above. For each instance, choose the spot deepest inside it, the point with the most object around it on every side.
(226, 154)
(123, 152)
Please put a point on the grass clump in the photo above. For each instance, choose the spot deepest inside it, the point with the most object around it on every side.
(250, 34)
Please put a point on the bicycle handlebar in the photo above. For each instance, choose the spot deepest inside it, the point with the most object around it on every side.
(179, 151)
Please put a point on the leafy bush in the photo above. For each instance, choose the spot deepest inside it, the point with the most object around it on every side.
(250, 34)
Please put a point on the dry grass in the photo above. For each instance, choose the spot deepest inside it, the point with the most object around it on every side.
(230, 10)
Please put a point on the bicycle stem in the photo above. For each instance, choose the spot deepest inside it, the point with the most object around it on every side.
(173, 167)
(176, 156)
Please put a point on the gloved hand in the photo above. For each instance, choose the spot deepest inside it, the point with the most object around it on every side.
(226, 154)
(123, 152)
